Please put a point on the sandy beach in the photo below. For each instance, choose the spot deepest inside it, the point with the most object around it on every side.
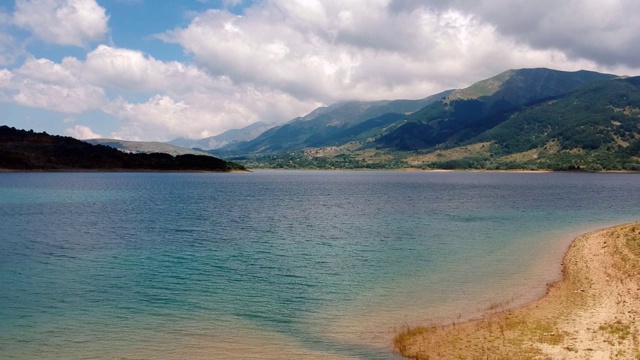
(592, 313)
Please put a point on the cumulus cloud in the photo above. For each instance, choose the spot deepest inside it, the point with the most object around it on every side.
(5, 78)
(44, 84)
(606, 32)
(333, 50)
(63, 22)
(200, 115)
(186, 101)
(182, 100)
(130, 70)
(71, 100)
(44, 70)
(156, 117)
(82, 132)
(5, 84)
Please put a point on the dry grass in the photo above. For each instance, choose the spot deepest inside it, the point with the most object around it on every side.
(593, 313)
(372, 156)
(522, 156)
(552, 147)
(633, 242)
(478, 149)
(617, 330)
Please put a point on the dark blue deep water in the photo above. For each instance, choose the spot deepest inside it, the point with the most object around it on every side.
(277, 265)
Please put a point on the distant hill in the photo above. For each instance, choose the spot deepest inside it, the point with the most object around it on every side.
(28, 150)
(331, 125)
(228, 137)
(146, 147)
(520, 119)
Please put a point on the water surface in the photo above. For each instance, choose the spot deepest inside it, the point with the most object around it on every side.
(277, 264)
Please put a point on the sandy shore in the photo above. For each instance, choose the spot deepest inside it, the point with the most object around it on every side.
(592, 313)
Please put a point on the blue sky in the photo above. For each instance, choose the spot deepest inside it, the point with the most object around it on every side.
(157, 70)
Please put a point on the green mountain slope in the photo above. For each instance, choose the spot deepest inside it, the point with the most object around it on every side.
(27, 150)
(468, 112)
(597, 126)
(329, 125)
(526, 85)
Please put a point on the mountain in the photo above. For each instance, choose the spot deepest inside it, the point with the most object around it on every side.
(520, 119)
(331, 125)
(485, 104)
(228, 137)
(595, 127)
(146, 147)
(28, 150)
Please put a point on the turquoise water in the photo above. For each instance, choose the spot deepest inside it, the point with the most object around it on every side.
(277, 265)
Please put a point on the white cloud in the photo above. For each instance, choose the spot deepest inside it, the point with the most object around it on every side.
(70, 100)
(265, 51)
(5, 78)
(41, 83)
(63, 22)
(130, 70)
(200, 115)
(82, 132)
(605, 32)
(182, 100)
(46, 71)
(186, 102)
(154, 117)
(333, 50)
(5, 85)
(282, 58)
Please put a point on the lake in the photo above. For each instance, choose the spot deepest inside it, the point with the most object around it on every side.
(278, 264)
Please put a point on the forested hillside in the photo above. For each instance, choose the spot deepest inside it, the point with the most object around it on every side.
(471, 111)
(28, 150)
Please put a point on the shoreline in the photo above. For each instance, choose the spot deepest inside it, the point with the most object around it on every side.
(250, 170)
(514, 171)
(4, 170)
(592, 312)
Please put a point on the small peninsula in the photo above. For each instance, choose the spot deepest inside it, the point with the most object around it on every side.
(31, 151)
(592, 313)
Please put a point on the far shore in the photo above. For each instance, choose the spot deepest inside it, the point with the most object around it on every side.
(2, 170)
(514, 171)
(593, 312)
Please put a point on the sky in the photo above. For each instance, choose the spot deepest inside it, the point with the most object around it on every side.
(155, 70)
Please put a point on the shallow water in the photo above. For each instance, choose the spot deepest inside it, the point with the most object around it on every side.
(277, 264)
